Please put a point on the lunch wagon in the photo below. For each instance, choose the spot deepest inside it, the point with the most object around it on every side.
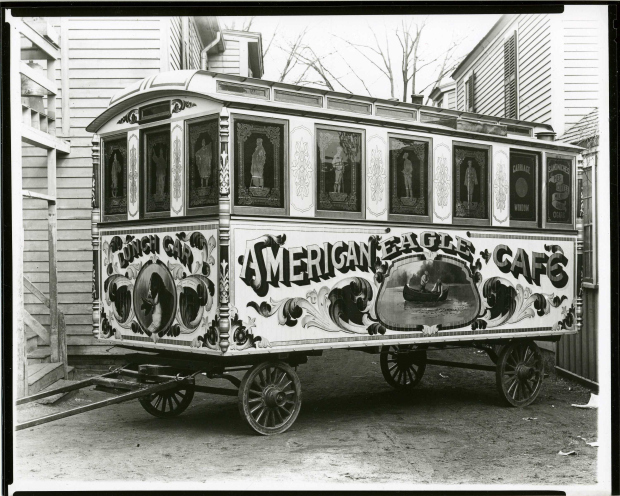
(242, 225)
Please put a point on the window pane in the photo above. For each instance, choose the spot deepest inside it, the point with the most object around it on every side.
(408, 176)
(559, 180)
(523, 194)
(202, 149)
(259, 164)
(157, 170)
(115, 176)
(470, 183)
(339, 156)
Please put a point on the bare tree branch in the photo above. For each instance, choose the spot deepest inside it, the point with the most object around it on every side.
(275, 31)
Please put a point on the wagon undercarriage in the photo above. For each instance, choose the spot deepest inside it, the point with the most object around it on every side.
(269, 393)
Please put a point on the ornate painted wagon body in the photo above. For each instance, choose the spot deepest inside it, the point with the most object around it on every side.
(248, 224)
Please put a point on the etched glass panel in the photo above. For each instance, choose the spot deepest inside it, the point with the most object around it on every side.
(470, 183)
(559, 190)
(115, 177)
(157, 171)
(339, 168)
(202, 150)
(259, 164)
(408, 176)
(523, 194)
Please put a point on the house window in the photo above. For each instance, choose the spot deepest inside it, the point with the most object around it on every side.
(470, 93)
(259, 161)
(340, 172)
(156, 172)
(559, 178)
(510, 77)
(588, 210)
(523, 188)
(470, 179)
(202, 163)
(115, 178)
(409, 178)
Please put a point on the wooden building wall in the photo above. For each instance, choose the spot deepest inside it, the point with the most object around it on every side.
(227, 62)
(533, 71)
(104, 55)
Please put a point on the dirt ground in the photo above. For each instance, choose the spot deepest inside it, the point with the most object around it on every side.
(353, 427)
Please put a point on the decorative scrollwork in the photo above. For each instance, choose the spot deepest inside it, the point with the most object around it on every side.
(177, 105)
(130, 117)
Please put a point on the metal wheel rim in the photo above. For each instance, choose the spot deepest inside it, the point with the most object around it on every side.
(271, 398)
(402, 367)
(520, 373)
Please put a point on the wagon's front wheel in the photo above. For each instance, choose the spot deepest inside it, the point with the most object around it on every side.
(167, 404)
(519, 372)
(402, 366)
(270, 397)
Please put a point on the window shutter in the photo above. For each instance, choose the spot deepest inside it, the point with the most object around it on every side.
(510, 76)
(472, 104)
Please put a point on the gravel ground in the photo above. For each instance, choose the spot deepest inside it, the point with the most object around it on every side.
(452, 429)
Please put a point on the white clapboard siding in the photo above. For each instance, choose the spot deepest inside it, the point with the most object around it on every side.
(175, 43)
(105, 55)
(227, 62)
(581, 67)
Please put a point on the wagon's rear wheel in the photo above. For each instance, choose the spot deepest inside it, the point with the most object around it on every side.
(270, 397)
(402, 366)
(167, 404)
(519, 372)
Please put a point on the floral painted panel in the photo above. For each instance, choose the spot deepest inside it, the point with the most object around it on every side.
(115, 177)
(339, 169)
(559, 190)
(203, 158)
(408, 176)
(259, 164)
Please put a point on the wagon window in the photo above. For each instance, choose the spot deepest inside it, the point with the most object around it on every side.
(409, 177)
(115, 178)
(470, 179)
(523, 187)
(202, 160)
(259, 158)
(156, 168)
(339, 170)
(559, 177)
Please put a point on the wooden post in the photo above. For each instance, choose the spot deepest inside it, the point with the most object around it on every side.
(95, 219)
(224, 231)
(17, 233)
(52, 242)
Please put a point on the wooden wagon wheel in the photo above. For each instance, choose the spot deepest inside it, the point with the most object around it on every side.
(519, 372)
(270, 397)
(402, 366)
(168, 404)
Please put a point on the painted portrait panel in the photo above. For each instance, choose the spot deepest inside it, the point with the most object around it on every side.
(470, 183)
(203, 160)
(559, 190)
(155, 298)
(523, 179)
(339, 169)
(259, 164)
(157, 171)
(408, 176)
(115, 177)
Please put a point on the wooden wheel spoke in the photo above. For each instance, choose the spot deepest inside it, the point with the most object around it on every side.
(174, 397)
(159, 398)
(261, 405)
(410, 376)
(288, 413)
(254, 400)
(277, 412)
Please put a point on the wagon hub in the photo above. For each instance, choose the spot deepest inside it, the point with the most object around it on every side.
(525, 373)
(274, 397)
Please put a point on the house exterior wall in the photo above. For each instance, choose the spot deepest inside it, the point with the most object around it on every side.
(104, 55)
(227, 62)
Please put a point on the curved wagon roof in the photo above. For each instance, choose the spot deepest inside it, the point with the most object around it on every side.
(283, 98)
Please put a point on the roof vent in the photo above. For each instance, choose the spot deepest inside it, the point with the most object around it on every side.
(546, 136)
(419, 99)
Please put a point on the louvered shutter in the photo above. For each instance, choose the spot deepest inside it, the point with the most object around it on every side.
(510, 76)
(472, 102)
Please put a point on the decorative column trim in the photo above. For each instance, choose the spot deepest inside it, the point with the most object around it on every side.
(224, 231)
(95, 219)
(579, 225)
